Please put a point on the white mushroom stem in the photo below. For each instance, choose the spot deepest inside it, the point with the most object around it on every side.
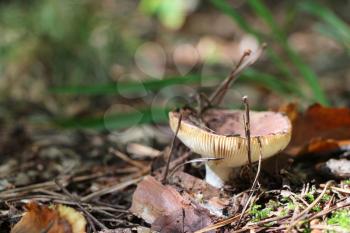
(216, 175)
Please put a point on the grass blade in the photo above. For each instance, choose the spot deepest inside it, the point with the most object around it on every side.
(338, 28)
(117, 121)
(271, 82)
(309, 76)
(227, 9)
(127, 87)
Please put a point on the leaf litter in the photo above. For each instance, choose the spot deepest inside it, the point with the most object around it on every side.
(123, 192)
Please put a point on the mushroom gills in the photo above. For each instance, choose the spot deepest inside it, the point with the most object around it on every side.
(270, 134)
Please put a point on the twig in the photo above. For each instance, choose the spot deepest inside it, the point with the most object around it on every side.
(269, 220)
(142, 151)
(111, 189)
(73, 198)
(259, 166)
(317, 215)
(305, 211)
(218, 94)
(126, 158)
(49, 185)
(347, 191)
(300, 199)
(247, 130)
(324, 212)
(252, 189)
(92, 225)
(220, 91)
(218, 224)
(171, 151)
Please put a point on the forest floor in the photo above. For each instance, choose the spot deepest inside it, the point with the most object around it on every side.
(89, 172)
(116, 180)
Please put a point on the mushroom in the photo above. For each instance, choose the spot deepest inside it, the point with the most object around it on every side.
(224, 137)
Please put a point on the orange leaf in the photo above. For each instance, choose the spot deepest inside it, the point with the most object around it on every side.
(55, 219)
(319, 130)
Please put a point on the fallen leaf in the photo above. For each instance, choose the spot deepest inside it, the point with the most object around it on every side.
(151, 200)
(193, 185)
(184, 220)
(167, 210)
(55, 219)
(204, 194)
(319, 130)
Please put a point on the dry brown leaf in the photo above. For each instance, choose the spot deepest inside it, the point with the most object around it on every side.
(184, 220)
(166, 209)
(151, 200)
(193, 185)
(319, 130)
(55, 219)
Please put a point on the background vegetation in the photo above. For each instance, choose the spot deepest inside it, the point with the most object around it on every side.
(74, 60)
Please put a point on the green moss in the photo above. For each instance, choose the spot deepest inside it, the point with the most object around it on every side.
(258, 213)
(340, 218)
(286, 208)
(273, 205)
(290, 206)
(306, 230)
(326, 198)
(317, 208)
(309, 197)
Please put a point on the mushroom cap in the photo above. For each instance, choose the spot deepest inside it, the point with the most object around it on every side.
(225, 137)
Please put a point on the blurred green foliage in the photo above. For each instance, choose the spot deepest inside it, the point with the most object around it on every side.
(73, 45)
(171, 13)
(72, 41)
(335, 27)
(279, 36)
(331, 25)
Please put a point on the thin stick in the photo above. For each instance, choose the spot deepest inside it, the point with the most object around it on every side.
(164, 180)
(255, 182)
(92, 225)
(347, 191)
(73, 198)
(218, 224)
(126, 158)
(220, 91)
(324, 212)
(111, 189)
(247, 130)
(259, 166)
(305, 211)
